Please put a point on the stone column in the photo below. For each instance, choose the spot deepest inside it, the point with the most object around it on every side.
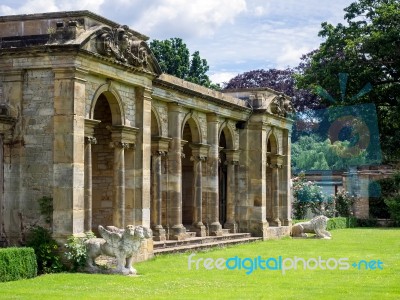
(175, 118)
(122, 138)
(215, 227)
(232, 160)
(89, 140)
(199, 156)
(119, 184)
(276, 165)
(143, 154)
(287, 175)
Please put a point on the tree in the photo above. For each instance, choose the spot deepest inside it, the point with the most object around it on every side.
(313, 153)
(279, 80)
(367, 49)
(173, 57)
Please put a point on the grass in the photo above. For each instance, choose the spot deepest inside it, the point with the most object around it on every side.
(168, 276)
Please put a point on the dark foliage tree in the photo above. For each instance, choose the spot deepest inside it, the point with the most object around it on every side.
(279, 80)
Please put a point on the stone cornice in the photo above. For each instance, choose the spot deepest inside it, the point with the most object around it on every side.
(191, 89)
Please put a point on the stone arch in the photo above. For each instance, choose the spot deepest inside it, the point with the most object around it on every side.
(155, 123)
(229, 136)
(113, 99)
(272, 144)
(195, 129)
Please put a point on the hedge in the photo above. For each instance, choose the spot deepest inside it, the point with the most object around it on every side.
(17, 263)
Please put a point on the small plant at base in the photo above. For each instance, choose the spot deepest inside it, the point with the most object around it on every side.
(45, 248)
(77, 250)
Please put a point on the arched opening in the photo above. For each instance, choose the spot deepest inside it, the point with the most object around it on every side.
(187, 178)
(222, 179)
(102, 166)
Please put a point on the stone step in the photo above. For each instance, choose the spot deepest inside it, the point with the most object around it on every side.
(199, 240)
(200, 246)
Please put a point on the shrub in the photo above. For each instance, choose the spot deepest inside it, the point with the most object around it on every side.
(77, 250)
(45, 248)
(308, 195)
(340, 223)
(344, 203)
(394, 207)
(17, 263)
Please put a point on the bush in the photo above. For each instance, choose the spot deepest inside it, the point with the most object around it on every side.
(77, 250)
(340, 223)
(307, 195)
(344, 203)
(394, 207)
(17, 263)
(46, 249)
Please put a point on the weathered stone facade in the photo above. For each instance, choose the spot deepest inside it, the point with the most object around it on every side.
(88, 119)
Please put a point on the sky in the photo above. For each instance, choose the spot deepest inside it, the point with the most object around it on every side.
(234, 36)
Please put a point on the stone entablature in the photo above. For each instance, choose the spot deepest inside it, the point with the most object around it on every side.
(94, 124)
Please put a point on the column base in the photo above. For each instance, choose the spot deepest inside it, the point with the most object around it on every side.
(287, 222)
(275, 222)
(232, 226)
(215, 229)
(200, 229)
(177, 232)
(159, 233)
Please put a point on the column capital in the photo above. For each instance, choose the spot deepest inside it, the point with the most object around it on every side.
(198, 158)
(160, 143)
(90, 140)
(159, 153)
(276, 161)
(122, 145)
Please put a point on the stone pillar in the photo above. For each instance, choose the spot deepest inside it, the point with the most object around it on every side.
(232, 160)
(276, 165)
(199, 156)
(12, 90)
(159, 149)
(286, 183)
(175, 118)
(119, 184)
(143, 155)
(89, 140)
(130, 218)
(122, 138)
(68, 152)
(215, 227)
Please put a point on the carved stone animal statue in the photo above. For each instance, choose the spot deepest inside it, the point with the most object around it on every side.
(120, 243)
(316, 225)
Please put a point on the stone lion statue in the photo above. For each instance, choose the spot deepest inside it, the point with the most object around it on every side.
(119, 243)
(316, 225)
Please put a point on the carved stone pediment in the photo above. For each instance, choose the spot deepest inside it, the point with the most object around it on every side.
(120, 44)
(281, 106)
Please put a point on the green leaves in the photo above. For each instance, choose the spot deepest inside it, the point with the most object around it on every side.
(174, 58)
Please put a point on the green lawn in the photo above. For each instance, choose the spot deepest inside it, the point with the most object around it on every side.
(168, 276)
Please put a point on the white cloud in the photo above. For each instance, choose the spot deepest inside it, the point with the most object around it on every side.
(42, 6)
(199, 17)
(222, 76)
